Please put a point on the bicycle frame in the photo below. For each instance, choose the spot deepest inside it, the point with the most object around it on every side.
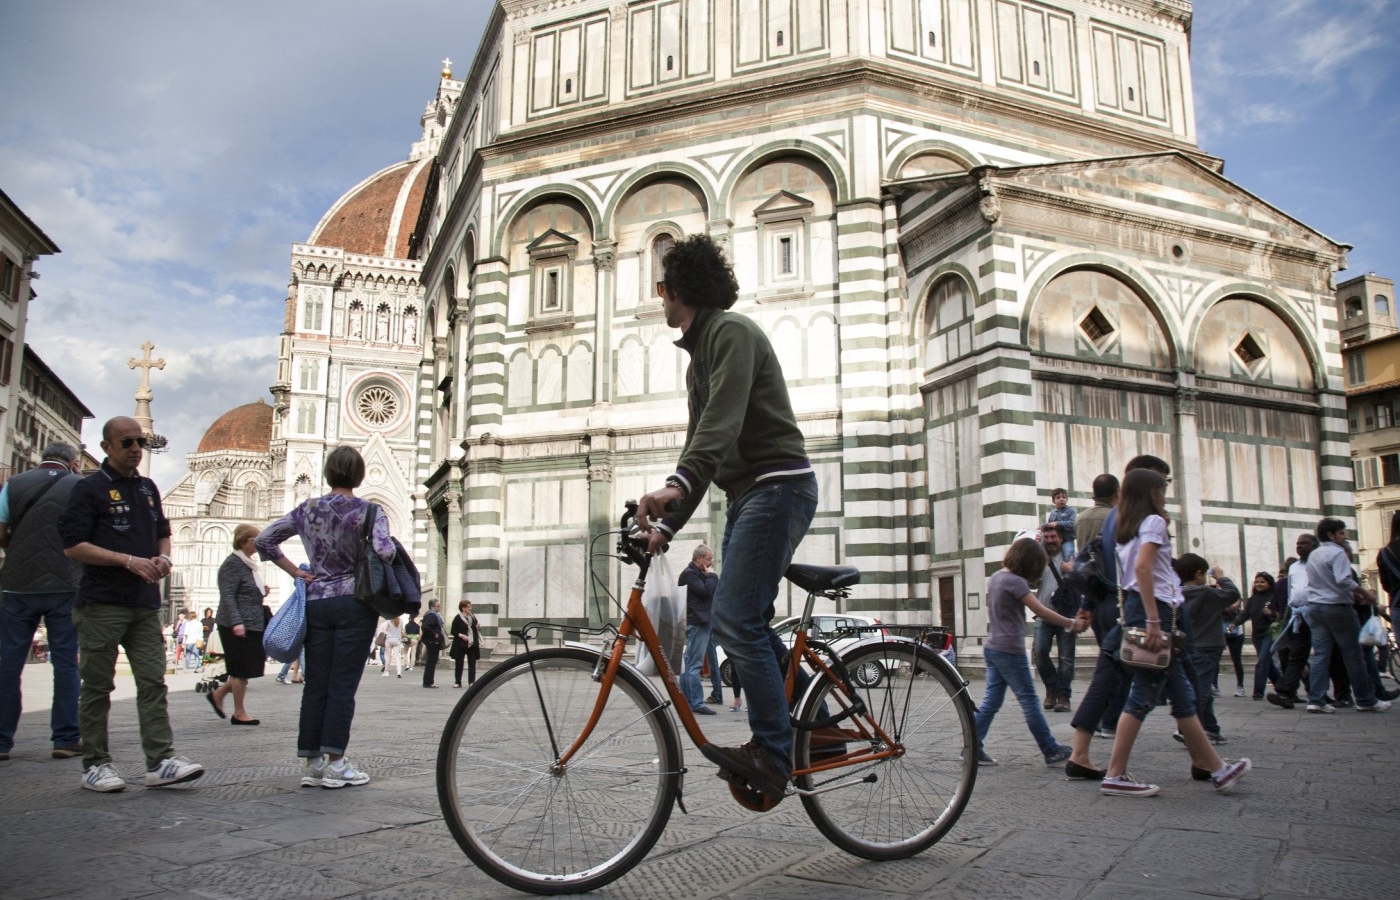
(636, 622)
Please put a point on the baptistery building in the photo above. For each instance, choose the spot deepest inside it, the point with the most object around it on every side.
(980, 233)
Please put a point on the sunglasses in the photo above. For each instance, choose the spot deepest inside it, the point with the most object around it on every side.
(126, 442)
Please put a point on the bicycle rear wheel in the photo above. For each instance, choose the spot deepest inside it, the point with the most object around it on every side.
(540, 829)
(900, 806)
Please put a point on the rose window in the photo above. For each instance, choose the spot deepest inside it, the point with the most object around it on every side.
(377, 405)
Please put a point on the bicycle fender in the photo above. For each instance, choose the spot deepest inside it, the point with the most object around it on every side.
(938, 659)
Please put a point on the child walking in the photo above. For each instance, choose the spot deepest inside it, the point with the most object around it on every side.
(1008, 596)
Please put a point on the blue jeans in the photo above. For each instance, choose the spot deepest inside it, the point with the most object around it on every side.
(1057, 677)
(19, 617)
(1149, 689)
(1207, 666)
(761, 532)
(1335, 629)
(697, 645)
(337, 632)
(1265, 669)
(1014, 671)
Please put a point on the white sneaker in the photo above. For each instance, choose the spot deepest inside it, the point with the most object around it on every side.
(314, 772)
(175, 770)
(103, 779)
(341, 773)
(1378, 706)
(385, 674)
(1126, 785)
(1239, 691)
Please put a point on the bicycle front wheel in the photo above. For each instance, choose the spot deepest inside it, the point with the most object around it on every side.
(899, 806)
(531, 824)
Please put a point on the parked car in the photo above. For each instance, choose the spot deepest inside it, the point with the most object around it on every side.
(841, 631)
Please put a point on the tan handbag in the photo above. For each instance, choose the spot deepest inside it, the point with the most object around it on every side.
(1134, 651)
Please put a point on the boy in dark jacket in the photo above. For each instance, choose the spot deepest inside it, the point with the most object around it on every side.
(1206, 605)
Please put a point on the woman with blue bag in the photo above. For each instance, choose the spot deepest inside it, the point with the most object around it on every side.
(338, 628)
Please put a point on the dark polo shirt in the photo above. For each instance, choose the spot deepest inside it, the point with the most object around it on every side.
(121, 514)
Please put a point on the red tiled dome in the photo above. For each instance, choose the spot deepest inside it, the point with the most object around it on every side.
(377, 216)
(247, 427)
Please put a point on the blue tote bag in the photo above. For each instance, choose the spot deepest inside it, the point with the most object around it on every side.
(286, 631)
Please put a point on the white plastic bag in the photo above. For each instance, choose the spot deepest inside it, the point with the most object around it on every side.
(665, 607)
(1373, 632)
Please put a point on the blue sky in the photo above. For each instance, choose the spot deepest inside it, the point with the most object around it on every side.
(175, 151)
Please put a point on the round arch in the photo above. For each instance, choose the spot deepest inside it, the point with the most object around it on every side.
(1132, 277)
(960, 155)
(536, 196)
(791, 147)
(1270, 301)
(918, 314)
(645, 176)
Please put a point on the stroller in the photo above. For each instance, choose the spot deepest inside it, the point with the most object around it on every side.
(212, 666)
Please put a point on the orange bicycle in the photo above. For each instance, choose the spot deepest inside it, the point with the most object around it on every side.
(558, 770)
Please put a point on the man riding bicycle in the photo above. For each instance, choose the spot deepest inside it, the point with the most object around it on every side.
(743, 437)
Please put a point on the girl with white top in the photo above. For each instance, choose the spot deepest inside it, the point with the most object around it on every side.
(1152, 599)
(393, 645)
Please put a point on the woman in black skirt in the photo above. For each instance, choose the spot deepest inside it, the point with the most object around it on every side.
(240, 623)
(466, 642)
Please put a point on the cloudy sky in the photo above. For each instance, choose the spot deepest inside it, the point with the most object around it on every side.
(174, 151)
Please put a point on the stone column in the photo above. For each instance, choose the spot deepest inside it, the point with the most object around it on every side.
(602, 511)
(605, 271)
(1186, 468)
(456, 550)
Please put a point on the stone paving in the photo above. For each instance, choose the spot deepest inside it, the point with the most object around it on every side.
(1318, 817)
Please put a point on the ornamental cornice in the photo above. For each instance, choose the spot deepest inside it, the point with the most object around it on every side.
(788, 88)
(519, 9)
(1167, 13)
(1159, 225)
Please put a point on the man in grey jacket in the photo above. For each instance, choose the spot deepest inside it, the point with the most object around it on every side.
(40, 583)
(1335, 627)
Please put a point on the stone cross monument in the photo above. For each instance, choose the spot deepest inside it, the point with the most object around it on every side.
(143, 397)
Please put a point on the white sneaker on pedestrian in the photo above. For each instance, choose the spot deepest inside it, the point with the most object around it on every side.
(1239, 691)
(342, 773)
(1234, 771)
(1324, 708)
(175, 770)
(1126, 785)
(315, 770)
(103, 779)
(1378, 706)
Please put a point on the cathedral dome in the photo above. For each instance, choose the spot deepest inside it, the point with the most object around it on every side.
(247, 427)
(377, 216)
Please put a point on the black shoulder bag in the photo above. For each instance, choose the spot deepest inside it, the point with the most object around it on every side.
(375, 586)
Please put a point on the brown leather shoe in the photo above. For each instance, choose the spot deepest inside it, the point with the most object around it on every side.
(751, 765)
(1049, 701)
(1062, 703)
(68, 752)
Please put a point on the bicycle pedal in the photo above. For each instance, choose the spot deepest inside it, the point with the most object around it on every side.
(751, 799)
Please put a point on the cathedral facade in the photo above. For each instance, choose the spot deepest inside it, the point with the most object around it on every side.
(980, 233)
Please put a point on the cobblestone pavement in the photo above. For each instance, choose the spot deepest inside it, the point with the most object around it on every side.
(1318, 817)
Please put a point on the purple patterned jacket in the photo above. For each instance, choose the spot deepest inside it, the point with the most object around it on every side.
(329, 528)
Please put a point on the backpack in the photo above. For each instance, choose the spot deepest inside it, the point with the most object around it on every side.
(1090, 577)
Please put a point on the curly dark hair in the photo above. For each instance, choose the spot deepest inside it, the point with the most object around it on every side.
(698, 275)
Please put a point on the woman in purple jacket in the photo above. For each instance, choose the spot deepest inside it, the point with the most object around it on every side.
(338, 629)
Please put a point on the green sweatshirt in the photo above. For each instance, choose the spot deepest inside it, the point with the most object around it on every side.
(742, 430)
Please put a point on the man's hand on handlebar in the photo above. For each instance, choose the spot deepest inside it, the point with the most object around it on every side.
(653, 507)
